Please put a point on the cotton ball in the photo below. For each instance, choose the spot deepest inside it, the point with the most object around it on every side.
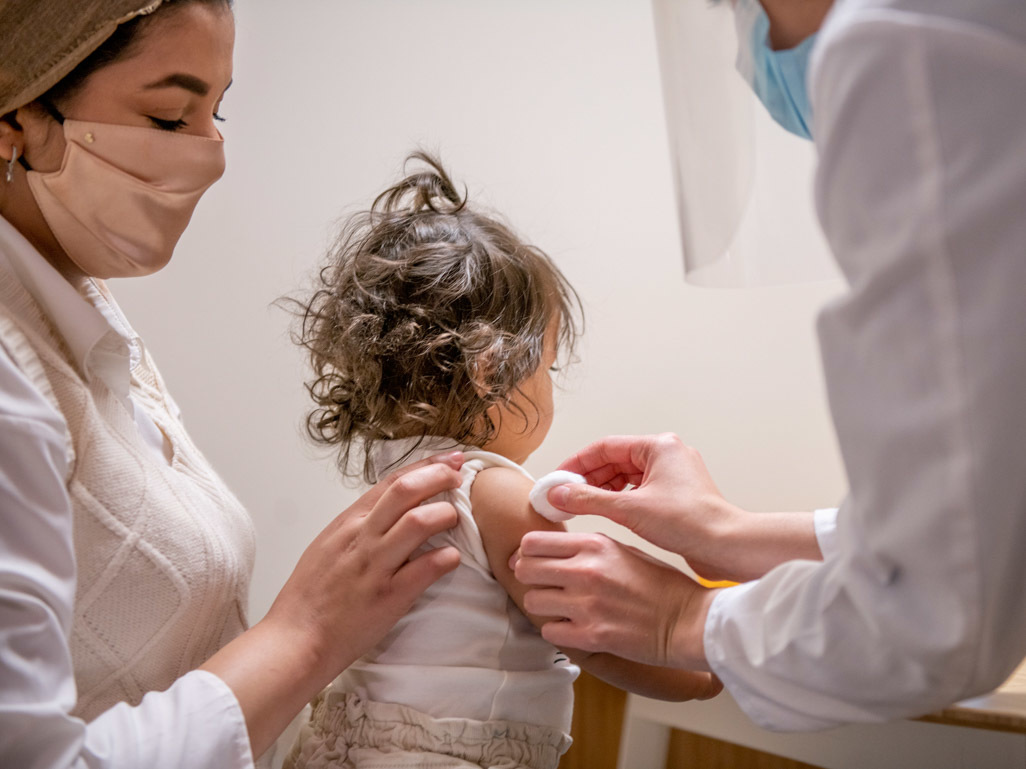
(539, 494)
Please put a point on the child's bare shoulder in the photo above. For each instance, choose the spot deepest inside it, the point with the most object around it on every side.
(501, 490)
(503, 512)
(500, 500)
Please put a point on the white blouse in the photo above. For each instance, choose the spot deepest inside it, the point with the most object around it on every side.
(197, 723)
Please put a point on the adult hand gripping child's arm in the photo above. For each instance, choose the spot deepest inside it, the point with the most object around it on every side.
(502, 510)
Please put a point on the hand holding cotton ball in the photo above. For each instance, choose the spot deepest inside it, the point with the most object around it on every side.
(540, 494)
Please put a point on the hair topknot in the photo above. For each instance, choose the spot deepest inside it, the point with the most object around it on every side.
(430, 189)
(425, 314)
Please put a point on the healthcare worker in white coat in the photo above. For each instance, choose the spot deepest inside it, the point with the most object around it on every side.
(911, 596)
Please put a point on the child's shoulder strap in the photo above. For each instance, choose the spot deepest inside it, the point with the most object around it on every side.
(476, 460)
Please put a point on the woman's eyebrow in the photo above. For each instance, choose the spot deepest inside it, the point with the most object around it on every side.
(190, 83)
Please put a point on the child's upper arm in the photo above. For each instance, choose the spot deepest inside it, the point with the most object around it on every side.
(499, 500)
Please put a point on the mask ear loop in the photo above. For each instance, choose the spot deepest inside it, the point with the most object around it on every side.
(9, 176)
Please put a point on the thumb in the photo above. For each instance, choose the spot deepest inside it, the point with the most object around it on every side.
(582, 499)
(715, 687)
(453, 459)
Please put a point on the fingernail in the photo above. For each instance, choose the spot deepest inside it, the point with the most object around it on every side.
(514, 559)
(559, 496)
(454, 459)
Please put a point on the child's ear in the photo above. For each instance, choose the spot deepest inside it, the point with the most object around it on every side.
(482, 369)
(482, 372)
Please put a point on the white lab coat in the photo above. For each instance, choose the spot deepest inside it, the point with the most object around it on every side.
(919, 115)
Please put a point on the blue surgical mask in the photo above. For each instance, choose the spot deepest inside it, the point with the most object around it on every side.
(777, 77)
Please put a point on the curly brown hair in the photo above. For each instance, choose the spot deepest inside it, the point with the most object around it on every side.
(426, 314)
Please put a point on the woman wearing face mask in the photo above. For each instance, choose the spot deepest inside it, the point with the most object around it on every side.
(126, 645)
(910, 597)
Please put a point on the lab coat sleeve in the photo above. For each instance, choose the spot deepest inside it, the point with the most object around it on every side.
(824, 522)
(197, 723)
(920, 190)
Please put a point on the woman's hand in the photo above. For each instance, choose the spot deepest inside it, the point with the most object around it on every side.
(354, 581)
(613, 598)
(361, 574)
(676, 505)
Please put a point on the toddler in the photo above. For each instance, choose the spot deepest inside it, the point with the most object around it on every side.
(434, 328)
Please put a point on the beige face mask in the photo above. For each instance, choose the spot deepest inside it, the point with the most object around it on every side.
(123, 195)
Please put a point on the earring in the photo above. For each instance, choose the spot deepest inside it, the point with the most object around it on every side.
(10, 164)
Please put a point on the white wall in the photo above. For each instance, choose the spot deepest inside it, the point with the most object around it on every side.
(551, 112)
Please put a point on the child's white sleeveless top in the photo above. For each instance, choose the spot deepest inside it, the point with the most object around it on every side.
(465, 650)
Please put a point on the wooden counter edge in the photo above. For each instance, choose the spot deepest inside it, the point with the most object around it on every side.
(977, 719)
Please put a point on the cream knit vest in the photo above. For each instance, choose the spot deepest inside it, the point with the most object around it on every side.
(164, 552)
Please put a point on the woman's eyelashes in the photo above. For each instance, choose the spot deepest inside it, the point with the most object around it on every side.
(167, 125)
(176, 125)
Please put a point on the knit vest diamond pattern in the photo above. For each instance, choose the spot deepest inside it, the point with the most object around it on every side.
(164, 551)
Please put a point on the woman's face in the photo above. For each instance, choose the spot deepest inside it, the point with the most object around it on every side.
(173, 78)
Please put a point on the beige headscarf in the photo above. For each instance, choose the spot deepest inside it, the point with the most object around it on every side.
(41, 41)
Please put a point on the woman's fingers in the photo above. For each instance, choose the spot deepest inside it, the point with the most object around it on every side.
(612, 451)
(404, 490)
(583, 499)
(625, 455)
(545, 557)
(550, 602)
(674, 503)
(412, 530)
(606, 596)
(567, 634)
(545, 571)
(424, 569)
(453, 459)
(610, 465)
(553, 561)
(363, 571)
(539, 563)
(614, 476)
(709, 686)
(556, 544)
